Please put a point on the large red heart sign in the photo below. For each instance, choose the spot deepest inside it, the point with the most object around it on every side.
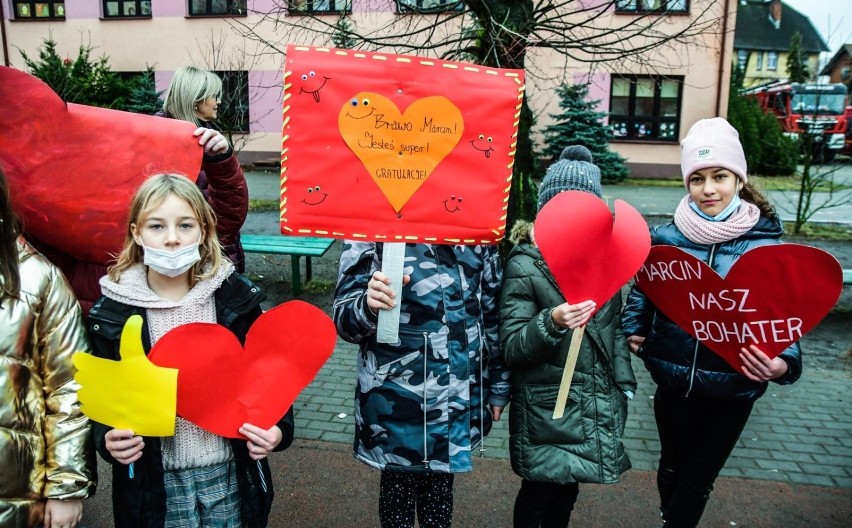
(222, 385)
(72, 169)
(771, 297)
(590, 254)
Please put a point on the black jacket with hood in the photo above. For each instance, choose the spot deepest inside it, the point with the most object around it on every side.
(140, 502)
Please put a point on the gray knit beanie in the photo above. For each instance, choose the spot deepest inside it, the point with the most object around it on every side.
(573, 172)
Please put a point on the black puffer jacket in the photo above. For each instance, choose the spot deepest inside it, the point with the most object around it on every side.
(140, 502)
(675, 359)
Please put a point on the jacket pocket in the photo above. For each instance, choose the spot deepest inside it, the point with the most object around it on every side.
(402, 366)
(540, 425)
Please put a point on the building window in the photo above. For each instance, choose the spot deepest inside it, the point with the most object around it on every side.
(127, 8)
(772, 60)
(742, 59)
(645, 107)
(845, 73)
(234, 104)
(759, 64)
(217, 7)
(320, 7)
(428, 6)
(36, 10)
(651, 6)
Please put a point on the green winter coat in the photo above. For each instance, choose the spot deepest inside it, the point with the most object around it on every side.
(585, 445)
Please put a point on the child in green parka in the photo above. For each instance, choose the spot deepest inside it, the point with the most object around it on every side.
(585, 445)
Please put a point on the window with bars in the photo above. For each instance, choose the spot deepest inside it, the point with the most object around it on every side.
(651, 6)
(234, 105)
(319, 7)
(645, 107)
(217, 7)
(127, 8)
(428, 6)
(45, 9)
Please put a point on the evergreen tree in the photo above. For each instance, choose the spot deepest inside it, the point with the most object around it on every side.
(797, 63)
(144, 97)
(344, 31)
(767, 150)
(580, 123)
(81, 80)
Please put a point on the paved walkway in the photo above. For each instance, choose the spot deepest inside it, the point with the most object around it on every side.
(799, 434)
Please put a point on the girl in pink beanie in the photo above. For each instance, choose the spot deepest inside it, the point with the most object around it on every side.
(702, 404)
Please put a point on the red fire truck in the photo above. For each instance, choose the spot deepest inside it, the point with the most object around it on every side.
(807, 108)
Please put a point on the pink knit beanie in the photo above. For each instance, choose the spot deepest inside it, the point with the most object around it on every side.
(712, 143)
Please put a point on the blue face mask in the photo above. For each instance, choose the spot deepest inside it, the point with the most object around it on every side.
(721, 217)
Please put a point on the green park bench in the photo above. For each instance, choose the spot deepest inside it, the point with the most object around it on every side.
(296, 247)
(847, 277)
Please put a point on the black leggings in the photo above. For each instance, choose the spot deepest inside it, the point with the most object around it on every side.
(696, 437)
(430, 494)
(545, 504)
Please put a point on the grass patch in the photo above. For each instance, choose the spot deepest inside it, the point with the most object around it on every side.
(821, 231)
(318, 286)
(263, 206)
(793, 183)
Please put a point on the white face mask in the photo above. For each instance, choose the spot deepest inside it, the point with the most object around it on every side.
(171, 263)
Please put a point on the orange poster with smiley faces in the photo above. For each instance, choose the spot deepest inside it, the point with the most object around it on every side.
(395, 148)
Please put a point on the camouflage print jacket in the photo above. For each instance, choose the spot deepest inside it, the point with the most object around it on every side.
(420, 403)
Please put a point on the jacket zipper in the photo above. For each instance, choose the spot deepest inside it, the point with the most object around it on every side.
(697, 342)
(481, 391)
(425, 374)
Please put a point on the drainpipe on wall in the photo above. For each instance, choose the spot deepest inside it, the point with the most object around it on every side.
(3, 32)
(722, 60)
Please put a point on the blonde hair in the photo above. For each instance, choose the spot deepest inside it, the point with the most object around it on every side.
(148, 197)
(190, 86)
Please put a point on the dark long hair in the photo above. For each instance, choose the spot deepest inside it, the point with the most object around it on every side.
(752, 194)
(10, 228)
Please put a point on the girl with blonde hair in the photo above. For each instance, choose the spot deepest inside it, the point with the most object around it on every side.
(171, 272)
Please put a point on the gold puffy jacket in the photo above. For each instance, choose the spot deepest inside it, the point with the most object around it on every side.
(45, 445)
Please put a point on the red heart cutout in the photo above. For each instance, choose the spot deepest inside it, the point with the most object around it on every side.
(590, 254)
(221, 386)
(72, 169)
(771, 296)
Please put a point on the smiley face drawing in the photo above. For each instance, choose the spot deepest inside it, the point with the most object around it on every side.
(315, 196)
(453, 204)
(310, 79)
(360, 109)
(483, 144)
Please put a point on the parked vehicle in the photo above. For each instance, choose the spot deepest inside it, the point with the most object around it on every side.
(813, 113)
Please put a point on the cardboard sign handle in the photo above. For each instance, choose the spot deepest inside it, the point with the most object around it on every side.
(568, 372)
(393, 260)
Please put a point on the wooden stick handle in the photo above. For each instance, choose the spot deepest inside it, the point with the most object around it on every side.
(568, 371)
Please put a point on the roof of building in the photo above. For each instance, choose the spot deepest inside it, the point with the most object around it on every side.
(844, 51)
(755, 30)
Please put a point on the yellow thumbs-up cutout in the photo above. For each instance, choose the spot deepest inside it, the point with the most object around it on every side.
(131, 393)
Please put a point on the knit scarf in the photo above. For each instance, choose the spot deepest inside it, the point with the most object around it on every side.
(703, 231)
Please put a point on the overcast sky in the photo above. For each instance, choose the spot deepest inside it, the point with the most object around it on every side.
(832, 18)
